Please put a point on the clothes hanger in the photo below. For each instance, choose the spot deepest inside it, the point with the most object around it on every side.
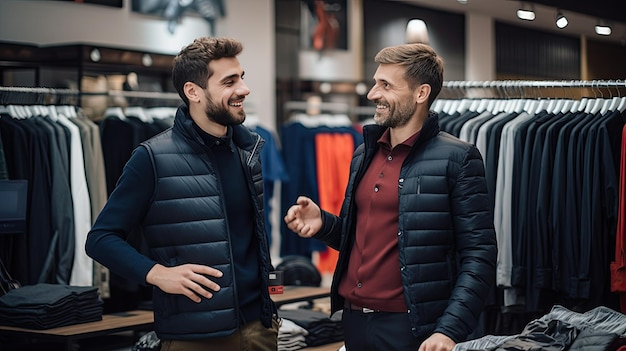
(436, 107)
(621, 106)
(509, 103)
(607, 102)
(12, 111)
(35, 110)
(568, 102)
(541, 105)
(474, 105)
(139, 112)
(521, 101)
(66, 110)
(561, 103)
(23, 111)
(615, 100)
(115, 111)
(597, 102)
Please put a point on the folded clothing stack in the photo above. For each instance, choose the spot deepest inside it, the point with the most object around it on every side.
(45, 306)
(319, 327)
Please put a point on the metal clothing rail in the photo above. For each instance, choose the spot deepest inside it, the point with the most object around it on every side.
(39, 90)
(534, 84)
(123, 93)
(136, 94)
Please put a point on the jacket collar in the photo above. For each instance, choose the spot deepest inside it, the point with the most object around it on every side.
(183, 124)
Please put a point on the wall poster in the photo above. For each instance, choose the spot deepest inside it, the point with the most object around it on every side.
(325, 25)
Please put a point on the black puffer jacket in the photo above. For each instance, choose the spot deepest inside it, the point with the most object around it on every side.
(186, 223)
(445, 225)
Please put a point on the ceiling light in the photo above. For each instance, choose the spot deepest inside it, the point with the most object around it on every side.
(526, 12)
(602, 28)
(561, 20)
(416, 32)
(462, 1)
(94, 55)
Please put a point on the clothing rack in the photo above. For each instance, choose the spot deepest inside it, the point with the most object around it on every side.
(531, 88)
(36, 95)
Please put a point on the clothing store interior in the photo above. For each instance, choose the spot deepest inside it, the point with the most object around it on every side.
(105, 67)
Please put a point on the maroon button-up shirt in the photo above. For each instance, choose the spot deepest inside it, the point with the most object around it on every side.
(373, 277)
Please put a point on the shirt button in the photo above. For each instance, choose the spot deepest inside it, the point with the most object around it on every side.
(217, 142)
(389, 157)
(381, 175)
(359, 284)
(375, 189)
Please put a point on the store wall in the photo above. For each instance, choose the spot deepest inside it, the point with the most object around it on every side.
(59, 22)
(605, 61)
(528, 52)
(385, 24)
(480, 47)
(55, 22)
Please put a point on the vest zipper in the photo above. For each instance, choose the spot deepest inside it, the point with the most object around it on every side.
(256, 145)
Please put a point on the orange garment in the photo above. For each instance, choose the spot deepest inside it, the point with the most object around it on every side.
(333, 152)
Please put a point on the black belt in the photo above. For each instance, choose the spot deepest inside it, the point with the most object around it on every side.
(354, 307)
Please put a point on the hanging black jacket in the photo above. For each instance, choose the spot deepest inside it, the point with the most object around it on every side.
(445, 226)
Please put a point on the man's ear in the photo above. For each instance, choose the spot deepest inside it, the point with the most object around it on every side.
(192, 91)
(422, 93)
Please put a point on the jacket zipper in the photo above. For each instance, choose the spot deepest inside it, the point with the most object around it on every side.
(256, 145)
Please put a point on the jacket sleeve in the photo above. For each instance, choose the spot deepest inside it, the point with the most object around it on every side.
(330, 233)
(475, 243)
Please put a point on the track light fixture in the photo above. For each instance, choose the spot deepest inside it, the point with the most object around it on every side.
(561, 20)
(602, 28)
(526, 12)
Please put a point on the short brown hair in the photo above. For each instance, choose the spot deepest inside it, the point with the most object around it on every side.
(423, 65)
(192, 63)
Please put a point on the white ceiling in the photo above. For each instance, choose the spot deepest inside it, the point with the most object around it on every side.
(505, 11)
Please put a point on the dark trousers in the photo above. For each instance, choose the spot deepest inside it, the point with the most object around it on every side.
(378, 331)
(250, 337)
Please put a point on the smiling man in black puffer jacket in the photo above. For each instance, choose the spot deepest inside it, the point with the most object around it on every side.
(416, 239)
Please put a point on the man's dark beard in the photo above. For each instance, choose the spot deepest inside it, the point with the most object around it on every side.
(220, 115)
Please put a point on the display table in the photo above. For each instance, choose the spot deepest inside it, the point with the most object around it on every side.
(328, 347)
(111, 323)
(140, 320)
(293, 294)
